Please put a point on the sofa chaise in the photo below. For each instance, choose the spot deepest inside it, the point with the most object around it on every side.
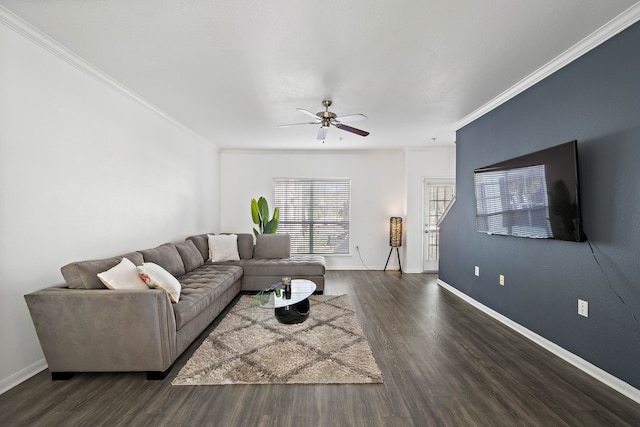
(85, 327)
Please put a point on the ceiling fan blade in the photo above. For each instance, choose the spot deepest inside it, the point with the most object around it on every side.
(322, 133)
(298, 124)
(351, 118)
(351, 129)
(309, 113)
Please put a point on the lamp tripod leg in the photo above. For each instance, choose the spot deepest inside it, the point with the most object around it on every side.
(385, 265)
(399, 265)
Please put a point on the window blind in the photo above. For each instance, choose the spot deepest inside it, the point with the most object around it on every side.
(316, 213)
(513, 202)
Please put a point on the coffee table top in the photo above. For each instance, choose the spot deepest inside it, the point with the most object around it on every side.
(300, 289)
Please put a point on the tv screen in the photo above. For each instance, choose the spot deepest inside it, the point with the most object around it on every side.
(535, 195)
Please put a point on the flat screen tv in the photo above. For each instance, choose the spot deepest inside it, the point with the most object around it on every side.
(536, 195)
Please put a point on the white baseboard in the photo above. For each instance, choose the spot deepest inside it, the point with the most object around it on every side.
(371, 268)
(356, 267)
(22, 375)
(603, 376)
(374, 268)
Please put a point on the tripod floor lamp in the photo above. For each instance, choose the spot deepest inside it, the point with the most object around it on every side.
(395, 239)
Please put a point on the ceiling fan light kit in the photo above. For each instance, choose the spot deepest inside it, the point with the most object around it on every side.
(328, 118)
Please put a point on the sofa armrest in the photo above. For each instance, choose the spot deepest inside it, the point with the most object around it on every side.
(101, 330)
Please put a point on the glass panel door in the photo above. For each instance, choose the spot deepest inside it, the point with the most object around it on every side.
(437, 197)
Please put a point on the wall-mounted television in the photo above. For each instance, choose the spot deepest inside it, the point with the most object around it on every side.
(536, 195)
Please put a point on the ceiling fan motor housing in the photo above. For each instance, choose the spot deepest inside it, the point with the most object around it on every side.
(326, 116)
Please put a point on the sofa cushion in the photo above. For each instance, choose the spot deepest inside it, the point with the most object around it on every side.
(201, 287)
(294, 266)
(157, 277)
(245, 245)
(84, 274)
(272, 246)
(202, 243)
(167, 257)
(191, 256)
(223, 247)
(123, 276)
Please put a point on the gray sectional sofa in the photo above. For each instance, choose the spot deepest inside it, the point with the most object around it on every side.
(85, 327)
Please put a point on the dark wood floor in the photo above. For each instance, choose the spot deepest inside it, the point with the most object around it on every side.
(444, 363)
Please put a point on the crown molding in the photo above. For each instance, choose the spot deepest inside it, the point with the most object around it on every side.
(601, 35)
(295, 151)
(28, 31)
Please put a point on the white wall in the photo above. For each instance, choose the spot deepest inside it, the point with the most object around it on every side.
(85, 172)
(377, 192)
(427, 163)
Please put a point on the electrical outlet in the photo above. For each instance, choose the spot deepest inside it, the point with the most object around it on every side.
(477, 271)
(583, 308)
(501, 280)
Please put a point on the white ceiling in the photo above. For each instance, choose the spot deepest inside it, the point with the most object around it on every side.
(232, 71)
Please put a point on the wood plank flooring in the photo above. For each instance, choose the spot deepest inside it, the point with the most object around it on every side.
(444, 363)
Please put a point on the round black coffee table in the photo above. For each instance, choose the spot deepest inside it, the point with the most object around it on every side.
(288, 310)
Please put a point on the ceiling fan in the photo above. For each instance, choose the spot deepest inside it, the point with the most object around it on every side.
(326, 119)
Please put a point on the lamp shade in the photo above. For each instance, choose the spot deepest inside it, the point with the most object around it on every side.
(395, 231)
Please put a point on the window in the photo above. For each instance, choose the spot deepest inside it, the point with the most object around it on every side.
(316, 213)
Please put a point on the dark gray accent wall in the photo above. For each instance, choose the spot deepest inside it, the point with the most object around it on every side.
(595, 100)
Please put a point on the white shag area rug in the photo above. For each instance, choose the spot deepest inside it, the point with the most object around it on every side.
(250, 346)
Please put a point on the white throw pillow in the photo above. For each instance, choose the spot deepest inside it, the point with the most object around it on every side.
(223, 247)
(122, 276)
(157, 277)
